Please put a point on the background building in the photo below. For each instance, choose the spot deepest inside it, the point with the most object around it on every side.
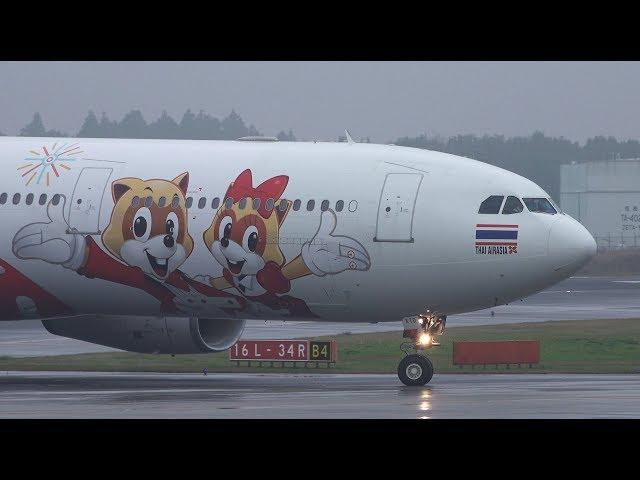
(605, 198)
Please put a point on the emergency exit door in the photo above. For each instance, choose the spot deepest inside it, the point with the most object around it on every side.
(86, 201)
(396, 208)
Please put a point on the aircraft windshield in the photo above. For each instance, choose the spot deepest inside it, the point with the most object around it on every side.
(539, 205)
(491, 204)
(512, 205)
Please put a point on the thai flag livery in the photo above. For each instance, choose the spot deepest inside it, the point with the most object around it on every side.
(496, 239)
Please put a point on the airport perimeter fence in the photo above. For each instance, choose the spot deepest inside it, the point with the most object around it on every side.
(617, 241)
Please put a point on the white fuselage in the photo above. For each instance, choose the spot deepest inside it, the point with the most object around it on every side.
(409, 217)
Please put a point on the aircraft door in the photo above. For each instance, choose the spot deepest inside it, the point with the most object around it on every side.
(395, 211)
(86, 201)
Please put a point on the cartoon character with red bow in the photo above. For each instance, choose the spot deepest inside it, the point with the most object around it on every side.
(244, 239)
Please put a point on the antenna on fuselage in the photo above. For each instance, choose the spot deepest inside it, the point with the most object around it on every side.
(348, 135)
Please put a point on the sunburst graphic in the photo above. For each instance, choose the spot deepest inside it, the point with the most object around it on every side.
(49, 163)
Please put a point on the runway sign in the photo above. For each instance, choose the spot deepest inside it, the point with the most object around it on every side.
(494, 353)
(284, 351)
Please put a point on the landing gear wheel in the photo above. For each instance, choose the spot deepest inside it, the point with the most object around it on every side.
(415, 370)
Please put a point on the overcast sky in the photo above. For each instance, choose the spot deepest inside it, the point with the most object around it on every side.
(318, 100)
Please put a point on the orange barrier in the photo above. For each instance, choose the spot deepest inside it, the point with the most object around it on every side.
(495, 353)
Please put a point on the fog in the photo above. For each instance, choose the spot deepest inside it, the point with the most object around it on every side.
(318, 100)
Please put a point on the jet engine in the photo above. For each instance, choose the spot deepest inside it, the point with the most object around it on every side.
(172, 335)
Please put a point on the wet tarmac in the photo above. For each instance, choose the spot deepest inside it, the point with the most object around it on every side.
(113, 395)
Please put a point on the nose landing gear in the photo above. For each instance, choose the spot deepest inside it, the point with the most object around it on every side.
(415, 369)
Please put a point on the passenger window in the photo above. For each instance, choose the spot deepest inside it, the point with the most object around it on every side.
(228, 203)
(324, 206)
(162, 201)
(215, 203)
(135, 201)
(339, 205)
(512, 205)
(29, 199)
(189, 202)
(296, 204)
(256, 203)
(16, 198)
(56, 199)
(202, 202)
(42, 200)
(491, 205)
(148, 202)
(269, 204)
(3, 198)
(242, 203)
(282, 206)
(311, 205)
(353, 206)
(539, 205)
(175, 201)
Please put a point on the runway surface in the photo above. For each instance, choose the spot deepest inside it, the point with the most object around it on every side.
(577, 298)
(98, 395)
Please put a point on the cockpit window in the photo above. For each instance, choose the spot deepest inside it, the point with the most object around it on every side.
(555, 205)
(491, 204)
(539, 205)
(512, 205)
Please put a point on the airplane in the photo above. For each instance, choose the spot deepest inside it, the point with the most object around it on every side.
(169, 246)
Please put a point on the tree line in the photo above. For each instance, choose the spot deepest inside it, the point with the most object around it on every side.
(537, 157)
(192, 126)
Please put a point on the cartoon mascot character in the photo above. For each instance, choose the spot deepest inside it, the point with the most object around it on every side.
(148, 236)
(244, 238)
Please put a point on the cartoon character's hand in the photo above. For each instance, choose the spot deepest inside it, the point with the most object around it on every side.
(196, 304)
(270, 278)
(51, 241)
(328, 253)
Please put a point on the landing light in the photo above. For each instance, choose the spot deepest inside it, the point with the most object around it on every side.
(425, 339)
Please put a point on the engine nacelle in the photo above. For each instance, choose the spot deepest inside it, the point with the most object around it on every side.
(151, 334)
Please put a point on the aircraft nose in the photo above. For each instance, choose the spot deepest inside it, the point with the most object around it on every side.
(571, 245)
